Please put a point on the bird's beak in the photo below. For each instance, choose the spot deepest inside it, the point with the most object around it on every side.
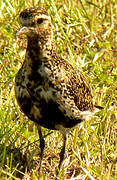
(22, 30)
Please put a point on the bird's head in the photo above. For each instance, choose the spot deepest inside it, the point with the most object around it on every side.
(35, 23)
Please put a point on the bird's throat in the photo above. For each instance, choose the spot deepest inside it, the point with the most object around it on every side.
(39, 48)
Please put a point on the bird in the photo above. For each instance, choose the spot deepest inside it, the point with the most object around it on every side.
(49, 90)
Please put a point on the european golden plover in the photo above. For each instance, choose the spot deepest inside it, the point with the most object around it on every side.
(49, 90)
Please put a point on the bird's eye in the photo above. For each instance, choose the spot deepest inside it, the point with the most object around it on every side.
(40, 20)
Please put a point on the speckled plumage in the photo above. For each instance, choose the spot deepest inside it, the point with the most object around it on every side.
(49, 90)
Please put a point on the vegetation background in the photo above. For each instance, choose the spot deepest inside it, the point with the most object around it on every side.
(85, 35)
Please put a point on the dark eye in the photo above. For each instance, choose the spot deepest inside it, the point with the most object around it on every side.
(39, 21)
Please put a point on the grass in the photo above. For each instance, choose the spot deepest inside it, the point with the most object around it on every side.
(86, 35)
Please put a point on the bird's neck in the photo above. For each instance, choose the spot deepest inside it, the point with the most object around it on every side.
(40, 48)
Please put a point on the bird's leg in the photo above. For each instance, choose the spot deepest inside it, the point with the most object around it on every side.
(62, 153)
(42, 145)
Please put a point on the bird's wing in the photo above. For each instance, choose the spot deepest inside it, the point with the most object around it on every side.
(70, 90)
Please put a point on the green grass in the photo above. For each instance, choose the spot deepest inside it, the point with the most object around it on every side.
(86, 35)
